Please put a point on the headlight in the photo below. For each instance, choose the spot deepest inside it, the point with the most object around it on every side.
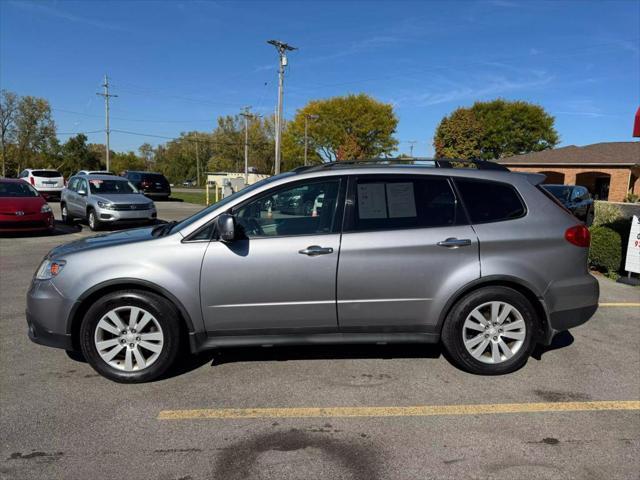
(45, 208)
(49, 269)
(106, 205)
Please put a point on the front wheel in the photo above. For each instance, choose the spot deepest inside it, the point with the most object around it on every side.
(490, 331)
(67, 219)
(130, 336)
(92, 220)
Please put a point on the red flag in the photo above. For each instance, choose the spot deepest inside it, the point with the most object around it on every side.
(636, 125)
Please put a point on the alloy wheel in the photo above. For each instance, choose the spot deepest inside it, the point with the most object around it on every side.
(129, 338)
(494, 332)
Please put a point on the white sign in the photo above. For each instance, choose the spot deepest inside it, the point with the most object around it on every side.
(371, 201)
(401, 201)
(632, 264)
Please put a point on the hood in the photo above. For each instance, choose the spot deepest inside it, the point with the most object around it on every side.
(104, 240)
(9, 205)
(122, 198)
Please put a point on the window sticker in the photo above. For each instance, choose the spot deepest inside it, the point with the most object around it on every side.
(401, 200)
(371, 201)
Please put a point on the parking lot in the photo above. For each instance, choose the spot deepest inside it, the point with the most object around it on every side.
(348, 412)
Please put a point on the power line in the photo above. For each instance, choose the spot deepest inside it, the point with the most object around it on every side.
(187, 139)
(131, 119)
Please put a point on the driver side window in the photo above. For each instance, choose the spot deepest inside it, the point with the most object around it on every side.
(302, 209)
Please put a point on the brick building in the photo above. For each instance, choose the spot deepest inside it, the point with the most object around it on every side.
(608, 170)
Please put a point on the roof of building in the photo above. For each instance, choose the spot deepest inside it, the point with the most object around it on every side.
(610, 154)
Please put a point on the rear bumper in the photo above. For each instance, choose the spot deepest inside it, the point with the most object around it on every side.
(571, 302)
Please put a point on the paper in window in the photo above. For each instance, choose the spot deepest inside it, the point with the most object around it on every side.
(401, 200)
(371, 201)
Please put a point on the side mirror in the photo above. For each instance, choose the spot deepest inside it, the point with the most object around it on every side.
(226, 227)
(82, 192)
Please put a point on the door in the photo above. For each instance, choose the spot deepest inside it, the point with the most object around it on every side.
(80, 201)
(406, 248)
(280, 276)
(70, 197)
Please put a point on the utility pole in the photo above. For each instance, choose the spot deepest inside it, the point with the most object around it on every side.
(246, 116)
(411, 144)
(307, 117)
(106, 96)
(282, 48)
(197, 161)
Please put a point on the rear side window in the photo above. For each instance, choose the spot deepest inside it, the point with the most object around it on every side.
(402, 202)
(46, 174)
(490, 201)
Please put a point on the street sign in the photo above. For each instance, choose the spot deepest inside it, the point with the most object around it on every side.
(632, 263)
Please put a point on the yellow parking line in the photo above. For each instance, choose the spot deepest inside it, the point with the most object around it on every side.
(620, 304)
(417, 411)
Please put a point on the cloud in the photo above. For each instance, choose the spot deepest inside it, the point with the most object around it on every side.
(58, 13)
(480, 87)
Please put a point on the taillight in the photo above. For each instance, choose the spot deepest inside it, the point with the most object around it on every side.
(32, 180)
(578, 236)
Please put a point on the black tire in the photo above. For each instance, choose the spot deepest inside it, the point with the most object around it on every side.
(92, 220)
(67, 219)
(165, 314)
(452, 331)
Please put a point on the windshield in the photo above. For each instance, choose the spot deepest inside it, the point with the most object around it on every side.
(17, 189)
(205, 211)
(99, 186)
(561, 192)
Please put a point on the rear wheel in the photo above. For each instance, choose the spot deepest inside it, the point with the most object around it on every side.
(130, 336)
(490, 331)
(92, 220)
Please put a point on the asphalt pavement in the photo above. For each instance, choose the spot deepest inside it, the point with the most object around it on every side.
(343, 412)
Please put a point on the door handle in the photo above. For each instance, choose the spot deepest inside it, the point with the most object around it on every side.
(314, 250)
(455, 242)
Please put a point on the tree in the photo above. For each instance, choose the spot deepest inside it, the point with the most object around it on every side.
(8, 112)
(36, 141)
(493, 130)
(126, 161)
(341, 128)
(77, 155)
(147, 153)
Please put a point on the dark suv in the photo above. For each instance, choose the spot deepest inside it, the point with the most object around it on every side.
(151, 184)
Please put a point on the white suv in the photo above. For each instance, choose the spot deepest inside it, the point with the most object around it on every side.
(48, 182)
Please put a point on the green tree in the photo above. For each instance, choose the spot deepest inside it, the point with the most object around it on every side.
(8, 113)
(341, 128)
(147, 153)
(77, 155)
(495, 129)
(36, 141)
(126, 161)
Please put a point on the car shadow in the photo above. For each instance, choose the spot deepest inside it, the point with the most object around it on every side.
(218, 357)
(561, 340)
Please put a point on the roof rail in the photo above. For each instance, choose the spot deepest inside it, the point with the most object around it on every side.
(416, 162)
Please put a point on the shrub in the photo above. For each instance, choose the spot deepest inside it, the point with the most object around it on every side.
(632, 197)
(605, 253)
(606, 213)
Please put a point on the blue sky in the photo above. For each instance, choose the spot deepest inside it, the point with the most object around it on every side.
(177, 65)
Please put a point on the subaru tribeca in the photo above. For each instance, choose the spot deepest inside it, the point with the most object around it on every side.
(482, 260)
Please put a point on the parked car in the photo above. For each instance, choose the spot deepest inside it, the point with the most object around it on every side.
(105, 199)
(49, 183)
(393, 256)
(22, 208)
(191, 182)
(95, 172)
(151, 184)
(574, 198)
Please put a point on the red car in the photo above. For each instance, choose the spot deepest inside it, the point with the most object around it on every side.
(22, 208)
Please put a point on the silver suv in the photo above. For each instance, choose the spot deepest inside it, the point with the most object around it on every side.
(484, 261)
(104, 199)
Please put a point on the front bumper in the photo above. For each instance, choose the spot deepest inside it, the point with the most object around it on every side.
(47, 312)
(106, 215)
(33, 222)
